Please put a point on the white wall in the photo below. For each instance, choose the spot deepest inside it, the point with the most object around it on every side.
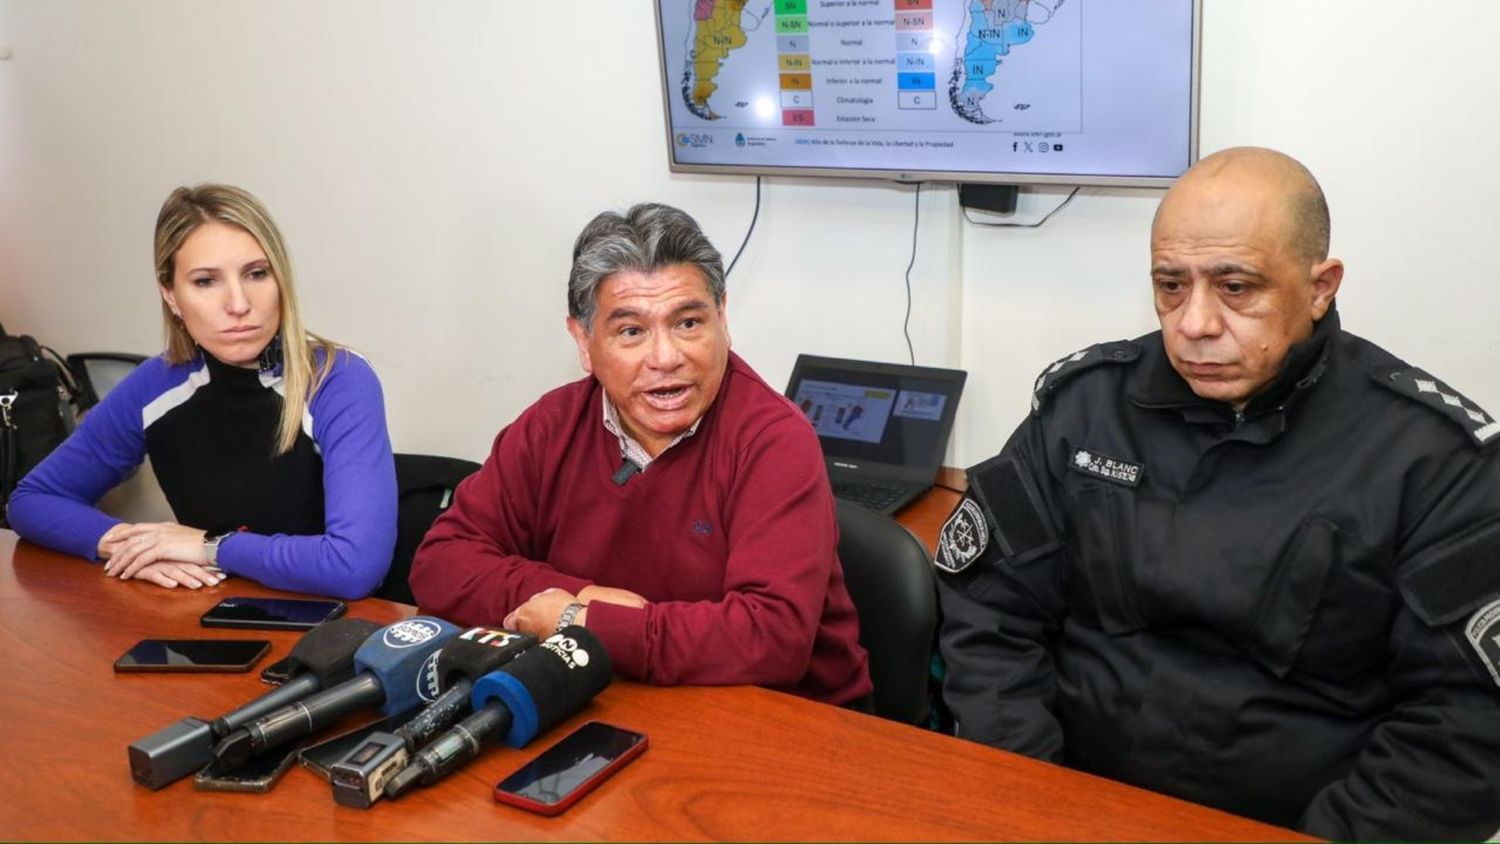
(1393, 106)
(430, 164)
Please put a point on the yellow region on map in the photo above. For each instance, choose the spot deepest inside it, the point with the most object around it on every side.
(717, 35)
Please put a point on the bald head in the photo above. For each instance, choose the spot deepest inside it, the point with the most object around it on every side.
(1240, 269)
(1273, 182)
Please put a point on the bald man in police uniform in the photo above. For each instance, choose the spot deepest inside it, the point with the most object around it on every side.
(1250, 560)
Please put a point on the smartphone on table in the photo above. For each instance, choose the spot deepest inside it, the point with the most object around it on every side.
(571, 768)
(255, 775)
(319, 757)
(220, 655)
(272, 613)
(278, 672)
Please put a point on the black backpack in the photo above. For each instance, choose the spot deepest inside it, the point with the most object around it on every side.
(37, 395)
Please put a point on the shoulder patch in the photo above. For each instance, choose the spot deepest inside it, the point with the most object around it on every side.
(1417, 385)
(1119, 351)
(1483, 633)
(964, 537)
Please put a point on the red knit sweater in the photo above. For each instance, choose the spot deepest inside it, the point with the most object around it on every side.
(730, 535)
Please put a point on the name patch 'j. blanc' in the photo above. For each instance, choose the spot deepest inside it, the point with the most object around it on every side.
(1109, 468)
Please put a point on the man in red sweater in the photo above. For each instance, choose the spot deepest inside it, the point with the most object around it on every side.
(672, 502)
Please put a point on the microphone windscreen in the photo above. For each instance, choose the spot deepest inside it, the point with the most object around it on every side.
(547, 683)
(403, 657)
(478, 651)
(327, 651)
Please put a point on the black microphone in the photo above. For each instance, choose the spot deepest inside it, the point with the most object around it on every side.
(359, 778)
(396, 669)
(323, 657)
(540, 687)
(627, 470)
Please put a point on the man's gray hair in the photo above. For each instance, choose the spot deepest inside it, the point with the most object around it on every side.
(647, 238)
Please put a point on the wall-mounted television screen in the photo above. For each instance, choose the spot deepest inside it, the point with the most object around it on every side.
(1077, 92)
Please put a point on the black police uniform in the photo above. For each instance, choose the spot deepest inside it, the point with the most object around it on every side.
(1291, 613)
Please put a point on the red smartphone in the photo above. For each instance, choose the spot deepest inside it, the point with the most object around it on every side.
(573, 767)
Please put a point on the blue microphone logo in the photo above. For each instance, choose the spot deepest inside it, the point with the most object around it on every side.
(428, 685)
(411, 632)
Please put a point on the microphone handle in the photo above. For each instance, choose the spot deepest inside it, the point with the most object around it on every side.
(317, 711)
(289, 692)
(452, 749)
(438, 715)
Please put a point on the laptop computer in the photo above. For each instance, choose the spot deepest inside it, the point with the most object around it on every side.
(883, 426)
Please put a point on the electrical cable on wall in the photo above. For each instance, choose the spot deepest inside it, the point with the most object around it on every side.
(753, 217)
(1048, 216)
(916, 215)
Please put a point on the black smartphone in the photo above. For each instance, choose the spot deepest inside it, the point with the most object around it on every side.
(573, 767)
(256, 775)
(277, 672)
(226, 655)
(272, 613)
(318, 757)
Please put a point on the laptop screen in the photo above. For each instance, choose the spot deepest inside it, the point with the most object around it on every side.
(878, 416)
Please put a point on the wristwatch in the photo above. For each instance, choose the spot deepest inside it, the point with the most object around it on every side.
(211, 547)
(569, 613)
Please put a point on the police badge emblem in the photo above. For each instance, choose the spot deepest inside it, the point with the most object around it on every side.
(1483, 632)
(964, 537)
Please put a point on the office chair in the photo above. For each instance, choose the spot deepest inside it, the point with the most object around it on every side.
(99, 372)
(424, 489)
(889, 577)
(138, 498)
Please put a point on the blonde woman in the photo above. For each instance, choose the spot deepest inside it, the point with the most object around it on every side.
(269, 442)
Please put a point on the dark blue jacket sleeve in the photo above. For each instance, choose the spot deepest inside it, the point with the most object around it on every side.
(1001, 612)
(1431, 769)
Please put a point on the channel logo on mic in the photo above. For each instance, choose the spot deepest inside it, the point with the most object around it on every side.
(410, 633)
(487, 636)
(429, 685)
(567, 648)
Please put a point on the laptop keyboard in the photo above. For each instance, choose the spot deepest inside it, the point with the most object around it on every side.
(874, 496)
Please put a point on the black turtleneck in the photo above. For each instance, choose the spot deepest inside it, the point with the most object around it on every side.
(212, 455)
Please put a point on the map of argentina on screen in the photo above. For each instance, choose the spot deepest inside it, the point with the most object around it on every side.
(1096, 91)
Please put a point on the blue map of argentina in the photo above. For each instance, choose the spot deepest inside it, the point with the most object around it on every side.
(991, 28)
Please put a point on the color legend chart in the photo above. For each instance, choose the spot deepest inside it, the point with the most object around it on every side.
(916, 70)
(794, 63)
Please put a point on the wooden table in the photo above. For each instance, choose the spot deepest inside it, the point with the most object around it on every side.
(925, 516)
(725, 763)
